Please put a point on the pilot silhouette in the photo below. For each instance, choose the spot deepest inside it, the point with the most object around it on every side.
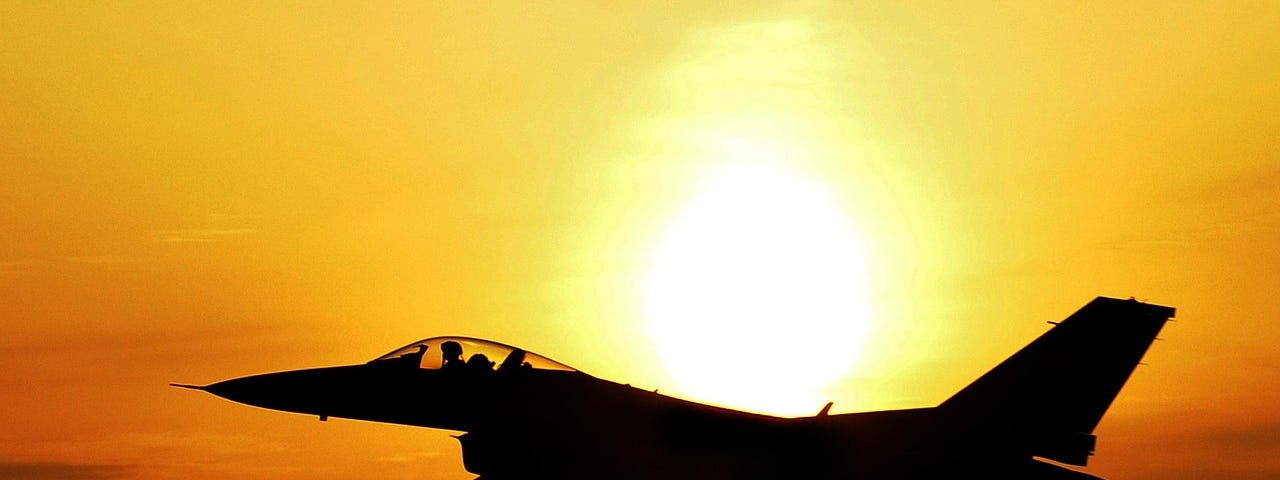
(480, 363)
(452, 352)
(512, 361)
(414, 359)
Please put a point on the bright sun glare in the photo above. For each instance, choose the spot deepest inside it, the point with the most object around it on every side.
(757, 295)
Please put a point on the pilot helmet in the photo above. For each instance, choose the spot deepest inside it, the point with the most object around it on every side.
(451, 349)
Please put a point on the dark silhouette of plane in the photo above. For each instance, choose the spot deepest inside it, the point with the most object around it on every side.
(534, 418)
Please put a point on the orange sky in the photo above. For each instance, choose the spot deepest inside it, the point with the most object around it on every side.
(196, 192)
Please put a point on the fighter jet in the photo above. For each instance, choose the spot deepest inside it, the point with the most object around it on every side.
(525, 416)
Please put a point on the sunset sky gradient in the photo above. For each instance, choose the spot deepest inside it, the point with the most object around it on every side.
(191, 192)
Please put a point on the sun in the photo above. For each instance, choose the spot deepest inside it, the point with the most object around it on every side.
(757, 295)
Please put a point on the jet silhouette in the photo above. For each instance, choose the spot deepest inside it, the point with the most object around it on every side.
(533, 418)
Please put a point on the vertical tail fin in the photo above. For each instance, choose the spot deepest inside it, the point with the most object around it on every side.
(1053, 392)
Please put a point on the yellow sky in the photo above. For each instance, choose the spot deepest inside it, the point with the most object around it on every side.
(196, 192)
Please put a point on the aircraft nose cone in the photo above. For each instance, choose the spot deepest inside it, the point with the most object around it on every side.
(256, 390)
(300, 391)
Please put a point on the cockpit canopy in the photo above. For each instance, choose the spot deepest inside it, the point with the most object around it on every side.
(474, 351)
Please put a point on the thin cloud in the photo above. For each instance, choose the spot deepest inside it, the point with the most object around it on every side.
(18, 267)
(409, 458)
(60, 471)
(106, 259)
(1244, 227)
(1264, 438)
(1254, 184)
(1144, 244)
(1236, 207)
(1202, 473)
(1228, 452)
(200, 235)
(226, 217)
